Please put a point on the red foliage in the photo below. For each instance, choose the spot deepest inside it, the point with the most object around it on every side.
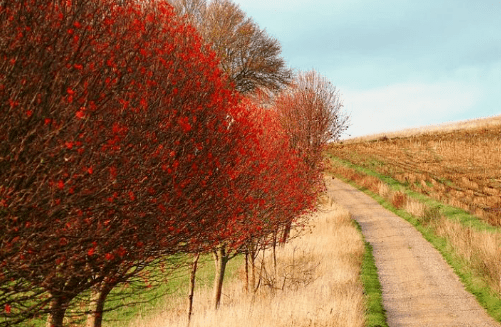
(398, 200)
(123, 103)
(270, 184)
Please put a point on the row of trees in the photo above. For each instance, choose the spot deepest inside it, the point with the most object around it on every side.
(124, 140)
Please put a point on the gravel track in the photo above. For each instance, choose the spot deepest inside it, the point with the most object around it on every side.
(419, 287)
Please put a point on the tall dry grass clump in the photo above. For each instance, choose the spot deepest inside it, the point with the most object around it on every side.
(383, 190)
(480, 249)
(315, 283)
(415, 207)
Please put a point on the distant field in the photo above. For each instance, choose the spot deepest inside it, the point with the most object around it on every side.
(473, 124)
(458, 163)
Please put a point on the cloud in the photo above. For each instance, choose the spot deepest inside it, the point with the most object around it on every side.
(399, 106)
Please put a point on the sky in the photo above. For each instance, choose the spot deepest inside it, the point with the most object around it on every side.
(396, 63)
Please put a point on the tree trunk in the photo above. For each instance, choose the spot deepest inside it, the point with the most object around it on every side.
(103, 290)
(246, 271)
(252, 282)
(58, 308)
(261, 269)
(192, 285)
(275, 254)
(220, 260)
(94, 297)
(286, 233)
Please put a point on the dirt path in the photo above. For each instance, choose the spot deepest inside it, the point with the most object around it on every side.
(419, 287)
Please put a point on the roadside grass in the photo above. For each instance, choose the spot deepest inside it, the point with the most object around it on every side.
(150, 302)
(317, 282)
(375, 314)
(470, 246)
(135, 299)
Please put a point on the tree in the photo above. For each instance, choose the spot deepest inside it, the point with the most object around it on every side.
(249, 56)
(269, 187)
(311, 113)
(111, 117)
(194, 11)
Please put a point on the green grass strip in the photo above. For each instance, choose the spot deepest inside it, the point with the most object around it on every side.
(147, 302)
(150, 302)
(376, 314)
(473, 283)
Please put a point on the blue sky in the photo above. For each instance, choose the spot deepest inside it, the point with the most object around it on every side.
(397, 63)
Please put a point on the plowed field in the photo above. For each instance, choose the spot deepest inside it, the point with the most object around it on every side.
(461, 168)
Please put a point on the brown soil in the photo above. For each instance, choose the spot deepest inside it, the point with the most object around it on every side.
(419, 287)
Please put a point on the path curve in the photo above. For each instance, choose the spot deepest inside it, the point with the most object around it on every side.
(419, 287)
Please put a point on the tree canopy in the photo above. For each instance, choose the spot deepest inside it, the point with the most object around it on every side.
(248, 55)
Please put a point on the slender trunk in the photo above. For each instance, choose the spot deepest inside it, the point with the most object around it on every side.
(252, 282)
(58, 308)
(192, 285)
(286, 233)
(104, 290)
(220, 260)
(261, 269)
(94, 297)
(246, 271)
(274, 247)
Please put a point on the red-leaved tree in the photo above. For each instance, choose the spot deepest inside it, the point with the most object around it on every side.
(270, 187)
(112, 120)
(310, 111)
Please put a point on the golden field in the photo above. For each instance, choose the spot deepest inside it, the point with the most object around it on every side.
(317, 283)
(459, 167)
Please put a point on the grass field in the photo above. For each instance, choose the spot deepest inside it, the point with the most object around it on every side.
(457, 167)
(135, 299)
(317, 283)
(146, 303)
(472, 124)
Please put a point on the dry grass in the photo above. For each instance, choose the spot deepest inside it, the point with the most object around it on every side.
(472, 124)
(317, 284)
(398, 199)
(480, 249)
(383, 190)
(415, 207)
(457, 166)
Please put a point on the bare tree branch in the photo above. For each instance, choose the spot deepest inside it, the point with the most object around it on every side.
(311, 113)
(249, 56)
